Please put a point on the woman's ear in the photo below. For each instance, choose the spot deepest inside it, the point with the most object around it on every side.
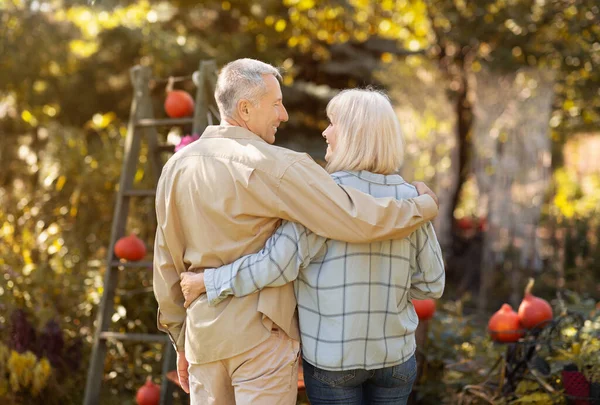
(243, 109)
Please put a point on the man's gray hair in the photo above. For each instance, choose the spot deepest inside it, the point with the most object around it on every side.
(241, 79)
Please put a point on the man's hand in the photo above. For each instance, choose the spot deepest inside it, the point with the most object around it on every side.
(423, 189)
(182, 372)
(192, 285)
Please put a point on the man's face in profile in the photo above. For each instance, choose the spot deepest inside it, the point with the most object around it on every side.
(266, 116)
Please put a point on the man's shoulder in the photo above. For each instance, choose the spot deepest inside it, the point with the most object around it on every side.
(252, 154)
(272, 158)
(283, 154)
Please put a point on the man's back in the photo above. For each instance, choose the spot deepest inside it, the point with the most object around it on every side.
(221, 179)
(216, 201)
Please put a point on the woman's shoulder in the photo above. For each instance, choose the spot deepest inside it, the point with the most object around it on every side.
(344, 176)
(361, 179)
(376, 178)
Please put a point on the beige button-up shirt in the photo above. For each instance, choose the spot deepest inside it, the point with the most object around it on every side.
(221, 198)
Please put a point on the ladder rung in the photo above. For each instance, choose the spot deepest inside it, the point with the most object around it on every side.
(117, 263)
(139, 193)
(166, 148)
(130, 293)
(137, 337)
(157, 122)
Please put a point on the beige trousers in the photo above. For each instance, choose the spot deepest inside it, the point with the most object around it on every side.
(264, 375)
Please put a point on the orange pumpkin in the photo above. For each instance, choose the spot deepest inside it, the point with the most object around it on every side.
(179, 104)
(130, 248)
(534, 311)
(425, 308)
(148, 394)
(504, 325)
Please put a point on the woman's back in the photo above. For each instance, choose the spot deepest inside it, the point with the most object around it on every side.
(353, 299)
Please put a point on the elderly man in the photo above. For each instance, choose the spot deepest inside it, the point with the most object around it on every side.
(221, 198)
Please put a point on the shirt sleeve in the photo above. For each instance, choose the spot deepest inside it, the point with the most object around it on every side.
(167, 290)
(289, 249)
(429, 279)
(308, 195)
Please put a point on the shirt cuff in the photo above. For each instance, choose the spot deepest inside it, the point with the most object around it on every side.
(429, 208)
(180, 343)
(176, 334)
(209, 284)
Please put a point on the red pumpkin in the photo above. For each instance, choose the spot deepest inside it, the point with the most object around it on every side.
(465, 223)
(483, 224)
(179, 104)
(130, 248)
(425, 308)
(148, 394)
(504, 325)
(534, 311)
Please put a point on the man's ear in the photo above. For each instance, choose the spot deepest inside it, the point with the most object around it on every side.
(243, 109)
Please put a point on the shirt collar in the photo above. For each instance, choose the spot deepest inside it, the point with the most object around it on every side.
(377, 178)
(230, 132)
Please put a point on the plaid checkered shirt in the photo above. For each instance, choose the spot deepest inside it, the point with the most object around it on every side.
(354, 300)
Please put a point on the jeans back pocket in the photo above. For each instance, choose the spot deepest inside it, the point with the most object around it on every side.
(406, 371)
(331, 378)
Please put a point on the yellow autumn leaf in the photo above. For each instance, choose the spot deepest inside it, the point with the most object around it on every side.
(83, 49)
(60, 183)
(280, 25)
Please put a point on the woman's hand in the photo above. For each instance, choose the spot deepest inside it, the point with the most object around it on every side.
(423, 189)
(192, 285)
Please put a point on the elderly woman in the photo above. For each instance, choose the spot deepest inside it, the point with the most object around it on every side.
(357, 320)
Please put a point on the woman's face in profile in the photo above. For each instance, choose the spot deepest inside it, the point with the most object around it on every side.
(330, 137)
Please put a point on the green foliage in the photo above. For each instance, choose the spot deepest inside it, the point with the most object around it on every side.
(576, 196)
(535, 397)
(463, 366)
(22, 375)
(56, 223)
(67, 52)
(51, 240)
(38, 364)
(456, 355)
(574, 225)
(558, 36)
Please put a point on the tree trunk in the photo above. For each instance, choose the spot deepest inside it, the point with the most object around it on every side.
(511, 162)
(464, 122)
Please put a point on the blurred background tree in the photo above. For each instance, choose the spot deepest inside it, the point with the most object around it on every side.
(65, 97)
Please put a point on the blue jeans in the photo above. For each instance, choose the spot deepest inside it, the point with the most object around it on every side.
(390, 385)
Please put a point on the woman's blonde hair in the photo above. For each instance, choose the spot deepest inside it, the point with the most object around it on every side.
(368, 133)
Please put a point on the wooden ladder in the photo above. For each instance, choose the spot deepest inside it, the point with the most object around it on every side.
(143, 124)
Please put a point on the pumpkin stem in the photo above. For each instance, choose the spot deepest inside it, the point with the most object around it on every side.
(529, 286)
(170, 84)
